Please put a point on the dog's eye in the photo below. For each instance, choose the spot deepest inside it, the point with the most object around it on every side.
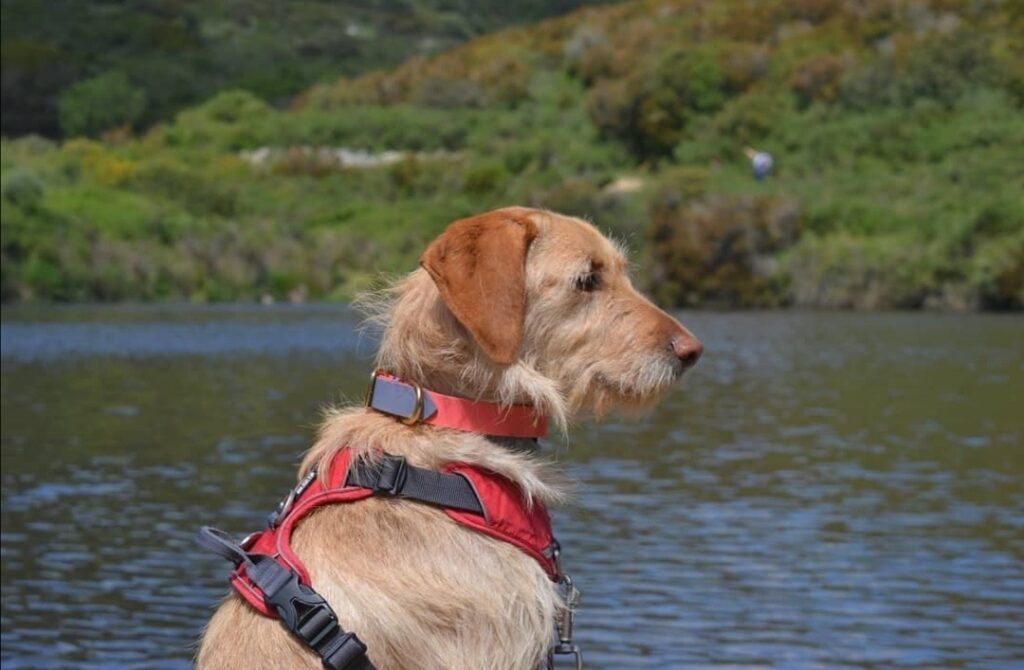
(588, 283)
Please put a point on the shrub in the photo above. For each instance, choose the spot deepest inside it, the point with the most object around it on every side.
(444, 92)
(92, 106)
(817, 78)
(996, 273)
(743, 65)
(196, 192)
(485, 177)
(718, 249)
(940, 68)
(22, 188)
(650, 110)
(231, 120)
(850, 272)
(232, 107)
(588, 55)
(944, 68)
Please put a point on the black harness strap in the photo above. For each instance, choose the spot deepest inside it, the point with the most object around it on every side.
(302, 610)
(392, 475)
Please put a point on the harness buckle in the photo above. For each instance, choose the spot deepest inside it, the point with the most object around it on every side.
(392, 472)
(418, 404)
(307, 615)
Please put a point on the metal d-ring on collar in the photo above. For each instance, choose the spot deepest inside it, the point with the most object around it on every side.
(417, 411)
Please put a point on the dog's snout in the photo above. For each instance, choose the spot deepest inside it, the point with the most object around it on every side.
(687, 349)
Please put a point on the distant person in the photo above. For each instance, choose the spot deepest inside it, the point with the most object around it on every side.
(760, 161)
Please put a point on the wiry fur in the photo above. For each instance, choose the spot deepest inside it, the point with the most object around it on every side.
(420, 590)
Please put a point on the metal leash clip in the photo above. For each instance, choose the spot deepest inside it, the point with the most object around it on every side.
(566, 617)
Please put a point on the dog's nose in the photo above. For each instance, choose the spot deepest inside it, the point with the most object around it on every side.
(687, 349)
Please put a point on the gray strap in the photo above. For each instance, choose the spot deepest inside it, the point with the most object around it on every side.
(392, 475)
(222, 544)
(398, 399)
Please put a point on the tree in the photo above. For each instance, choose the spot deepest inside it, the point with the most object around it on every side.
(94, 105)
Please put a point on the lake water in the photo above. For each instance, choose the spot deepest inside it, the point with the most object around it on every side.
(826, 490)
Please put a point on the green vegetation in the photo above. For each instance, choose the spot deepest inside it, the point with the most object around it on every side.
(180, 53)
(896, 131)
(86, 109)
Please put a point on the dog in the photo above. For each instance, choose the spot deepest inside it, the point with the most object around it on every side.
(519, 307)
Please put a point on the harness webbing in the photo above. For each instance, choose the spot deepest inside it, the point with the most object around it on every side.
(272, 579)
(391, 475)
(302, 610)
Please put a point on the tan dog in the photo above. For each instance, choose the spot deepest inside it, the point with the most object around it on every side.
(516, 306)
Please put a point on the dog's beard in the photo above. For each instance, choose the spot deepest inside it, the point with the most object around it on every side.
(633, 390)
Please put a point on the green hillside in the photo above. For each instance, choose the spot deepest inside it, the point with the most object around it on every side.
(164, 55)
(896, 131)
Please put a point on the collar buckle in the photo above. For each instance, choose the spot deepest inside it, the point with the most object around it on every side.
(418, 408)
(368, 396)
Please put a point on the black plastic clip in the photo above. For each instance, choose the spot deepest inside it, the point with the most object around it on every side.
(302, 610)
(392, 472)
(307, 615)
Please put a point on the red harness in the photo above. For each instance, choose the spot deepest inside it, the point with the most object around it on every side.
(506, 517)
(271, 577)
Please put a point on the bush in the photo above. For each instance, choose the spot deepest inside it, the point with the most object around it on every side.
(100, 163)
(944, 68)
(94, 105)
(718, 249)
(230, 120)
(650, 111)
(817, 78)
(996, 273)
(196, 191)
(939, 68)
(485, 177)
(22, 188)
(844, 271)
(588, 55)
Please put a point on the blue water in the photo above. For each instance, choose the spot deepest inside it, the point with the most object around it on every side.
(826, 491)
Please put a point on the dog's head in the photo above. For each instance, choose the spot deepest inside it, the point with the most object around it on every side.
(525, 305)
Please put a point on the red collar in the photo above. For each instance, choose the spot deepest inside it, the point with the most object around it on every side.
(414, 404)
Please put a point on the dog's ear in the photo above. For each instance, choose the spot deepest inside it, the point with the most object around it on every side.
(479, 267)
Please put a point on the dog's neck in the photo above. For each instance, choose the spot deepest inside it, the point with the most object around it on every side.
(414, 404)
(368, 433)
(518, 384)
